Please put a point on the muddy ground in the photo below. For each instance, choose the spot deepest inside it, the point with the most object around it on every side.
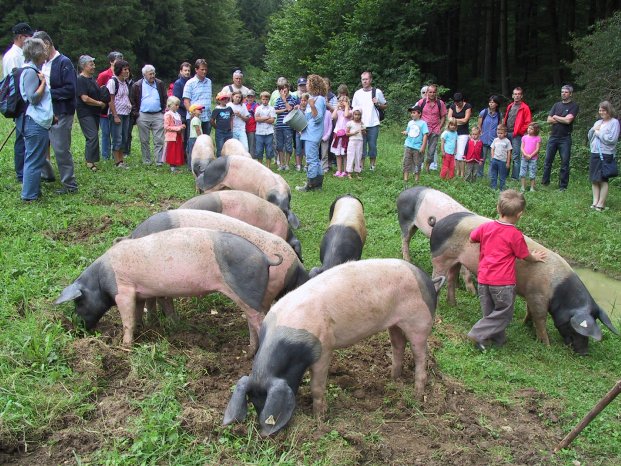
(377, 417)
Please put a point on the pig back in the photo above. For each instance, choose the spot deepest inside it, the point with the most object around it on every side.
(348, 211)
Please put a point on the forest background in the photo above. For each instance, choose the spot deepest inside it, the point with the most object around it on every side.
(478, 47)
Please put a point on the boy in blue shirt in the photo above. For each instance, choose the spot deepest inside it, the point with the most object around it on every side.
(415, 144)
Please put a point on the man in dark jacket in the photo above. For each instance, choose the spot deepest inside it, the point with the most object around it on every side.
(148, 97)
(185, 71)
(62, 79)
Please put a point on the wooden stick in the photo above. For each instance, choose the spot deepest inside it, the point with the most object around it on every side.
(611, 395)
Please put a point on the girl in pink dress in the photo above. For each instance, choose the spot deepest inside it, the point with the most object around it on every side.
(341, 115)
(173, 129)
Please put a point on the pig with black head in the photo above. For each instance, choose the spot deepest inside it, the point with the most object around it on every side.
(548, 287)
(248, 208)
(178, 263)
(419, 208)
(305, 326)
(246, 174)
(202, 154)
(345, 237)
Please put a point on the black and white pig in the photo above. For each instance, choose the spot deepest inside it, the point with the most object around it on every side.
(305, 326)
(248, 208)
(176, 263)
(550, 286)
(246, 174)
(419, 208)
(202, 154)
(345, 237)
(234, 147)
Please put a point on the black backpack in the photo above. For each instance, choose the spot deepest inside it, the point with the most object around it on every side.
(380, 112)
(12, 103)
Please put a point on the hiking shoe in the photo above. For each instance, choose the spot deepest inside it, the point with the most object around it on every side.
(66, 190)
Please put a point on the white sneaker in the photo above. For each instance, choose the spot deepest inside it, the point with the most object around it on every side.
(433, 166)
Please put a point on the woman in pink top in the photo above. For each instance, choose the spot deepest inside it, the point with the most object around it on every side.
(530, 153)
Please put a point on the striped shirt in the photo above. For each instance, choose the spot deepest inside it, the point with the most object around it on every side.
(199, 92)
(120, 91)
(280, 105)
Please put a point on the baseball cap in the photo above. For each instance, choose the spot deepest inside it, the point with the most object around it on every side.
(251, 92)
(302, 81)
(23, 28)
(196, 107)
(84, 59)
(415, 108)
(223, 95)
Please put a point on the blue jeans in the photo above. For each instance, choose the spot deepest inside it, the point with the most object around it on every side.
(312, 159)
(221, 138)
(516, 156)
(370, 140)
(497, 169)
(284, 139)
(485, 155)
(263, 143)
(563, 145)
(19, 148)
(119, 132)
(206, 127)
(299, 145)
(37, 140)
(104, 124)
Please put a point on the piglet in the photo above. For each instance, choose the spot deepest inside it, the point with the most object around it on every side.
(202, 154)
(234, 147)
(245, 174)
(550, 286)
(304, 327)
(177, 263)
(345, 237)
(248, 208)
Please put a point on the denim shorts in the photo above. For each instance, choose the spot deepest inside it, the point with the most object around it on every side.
(530, 167)
(284, 139)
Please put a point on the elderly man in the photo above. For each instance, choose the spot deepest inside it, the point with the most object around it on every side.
(14, 58)
(60, 73)
(371, 101)
(434, 114)
(198, 91)
(517, 118)
(148, 97)
(237, 85)
(104, 122)
(561, 118)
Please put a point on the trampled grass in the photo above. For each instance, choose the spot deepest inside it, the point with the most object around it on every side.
(46, 245)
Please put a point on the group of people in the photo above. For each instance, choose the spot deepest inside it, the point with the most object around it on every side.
(336, 130)
(510, 142)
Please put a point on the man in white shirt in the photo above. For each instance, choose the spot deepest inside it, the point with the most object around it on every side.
(237, 85)
(14, 58)
(370, 106)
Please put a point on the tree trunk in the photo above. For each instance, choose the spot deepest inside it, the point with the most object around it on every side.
(504, 59)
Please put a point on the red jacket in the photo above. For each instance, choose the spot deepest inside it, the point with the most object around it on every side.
(522, 119)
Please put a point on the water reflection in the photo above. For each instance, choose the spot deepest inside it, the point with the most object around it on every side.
(605, 290)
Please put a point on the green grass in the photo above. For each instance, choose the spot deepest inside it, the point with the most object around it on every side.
(45, 245)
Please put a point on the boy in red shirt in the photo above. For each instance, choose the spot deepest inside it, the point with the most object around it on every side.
(501, 244)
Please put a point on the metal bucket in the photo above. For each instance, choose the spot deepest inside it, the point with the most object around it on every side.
(296, 120)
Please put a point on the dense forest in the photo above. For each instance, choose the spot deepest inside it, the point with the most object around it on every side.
(476, 46)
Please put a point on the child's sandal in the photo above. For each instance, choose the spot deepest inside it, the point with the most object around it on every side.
(91, 166)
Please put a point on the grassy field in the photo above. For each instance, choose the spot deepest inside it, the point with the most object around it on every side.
(73, 398)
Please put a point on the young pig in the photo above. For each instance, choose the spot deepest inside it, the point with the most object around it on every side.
(306, 325)
(419, 208)
(182, 262)
(245, 174)
(345, 237)
(550, 286)
(234, 147)
(250, 209)
(202, 154)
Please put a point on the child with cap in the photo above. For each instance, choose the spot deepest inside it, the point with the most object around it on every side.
(251, 124)
(415, 144)
(195, 126)
(222, 120)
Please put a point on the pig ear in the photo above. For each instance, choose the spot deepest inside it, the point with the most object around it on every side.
(439, 282)
(279, 406)
(70, 293)
(293, 219)
(606, 321)
(584, 324)
(237, 408)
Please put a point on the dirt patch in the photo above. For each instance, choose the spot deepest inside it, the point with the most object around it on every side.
(81, 231)
(371, 419)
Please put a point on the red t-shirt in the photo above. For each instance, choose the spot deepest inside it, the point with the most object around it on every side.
(501, 244)
(251, 124)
